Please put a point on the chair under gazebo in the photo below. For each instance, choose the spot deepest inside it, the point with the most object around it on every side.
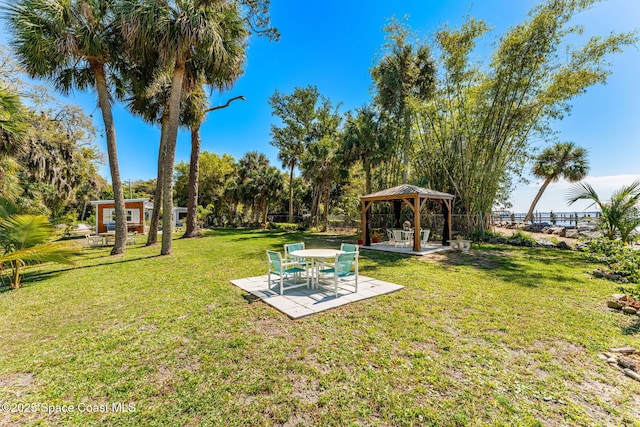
(414, 197)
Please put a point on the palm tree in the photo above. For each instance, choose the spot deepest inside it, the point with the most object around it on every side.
(196, 117)
(620, 215)
(26, 238)
(563, 159)
(404, 73)
(12, 126)
(75, 44)
(177, 33)
(362, 141)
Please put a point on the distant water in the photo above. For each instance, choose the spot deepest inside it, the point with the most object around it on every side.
(554, 218)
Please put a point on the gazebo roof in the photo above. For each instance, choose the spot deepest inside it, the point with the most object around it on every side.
(406, 190)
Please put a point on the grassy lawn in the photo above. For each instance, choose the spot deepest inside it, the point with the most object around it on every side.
(504, 336)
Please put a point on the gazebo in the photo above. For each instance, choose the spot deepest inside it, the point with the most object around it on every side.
(414, 197)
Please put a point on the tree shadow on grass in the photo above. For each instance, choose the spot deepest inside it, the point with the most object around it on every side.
(30, 278)
(505, 263)
(632, 329)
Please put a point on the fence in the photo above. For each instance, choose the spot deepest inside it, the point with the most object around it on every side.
(379, 222)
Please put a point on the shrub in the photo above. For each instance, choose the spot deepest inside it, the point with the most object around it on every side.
(521, 238)
(619, 258)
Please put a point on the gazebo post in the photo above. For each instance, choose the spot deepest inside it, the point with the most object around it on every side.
(416, 223)
(446, 232)
(366, 214)
(397, 210)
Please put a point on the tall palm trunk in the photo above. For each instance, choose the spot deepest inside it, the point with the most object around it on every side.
(536, 199)
(325, 220)
(367, 177)
(194, 170)
(152, 238)
(118, 194)
(291, 193)
(170, 154)
(406, 147)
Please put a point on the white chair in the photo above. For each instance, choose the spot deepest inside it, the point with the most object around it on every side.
(94, 240)
(344, 272)
(392, 240)
(424, 237)
(284, 269)
(131, 238)
(400, 238)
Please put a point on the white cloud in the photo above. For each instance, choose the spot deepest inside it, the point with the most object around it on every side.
(555, 196)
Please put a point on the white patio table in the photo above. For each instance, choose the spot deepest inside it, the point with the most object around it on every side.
(319, 254)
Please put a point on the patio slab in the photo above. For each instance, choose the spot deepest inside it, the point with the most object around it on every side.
(301, 302)
(407, 250)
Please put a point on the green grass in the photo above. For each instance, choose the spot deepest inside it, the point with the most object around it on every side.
(504, 336)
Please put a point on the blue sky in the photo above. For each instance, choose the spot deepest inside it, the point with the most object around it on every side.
(332, 44)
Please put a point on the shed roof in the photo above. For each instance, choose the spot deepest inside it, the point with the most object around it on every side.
(408, 190)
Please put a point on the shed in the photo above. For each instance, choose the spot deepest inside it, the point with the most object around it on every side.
(134, 210)
(412, 196)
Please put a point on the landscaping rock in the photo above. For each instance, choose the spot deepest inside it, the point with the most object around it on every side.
(619, 297)
(629, 310)
(546, 244)
(598, 273)
(624, 350)
(573, 233)
(614, 304)
(562, 245)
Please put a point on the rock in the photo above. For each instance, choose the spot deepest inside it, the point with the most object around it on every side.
(544, 243)
(619, 297)
(629, 310)
(614, 304)
(627, 362)
(494, 240)
(563, 245)
(582, 246)
(598, 273)
(632, 374)
(624, 350)
(572, 233)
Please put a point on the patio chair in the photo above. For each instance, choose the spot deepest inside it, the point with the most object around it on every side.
(392, 240)
(284, 269)
(348, 247)
(424, 237)
(400, 238)
(94, 240)
(131, 238)
(288, 248)
(344, 272)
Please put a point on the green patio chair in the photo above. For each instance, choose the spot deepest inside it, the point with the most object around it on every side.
(344, 272)
(290, 247)
(349, 247)
(283, 269)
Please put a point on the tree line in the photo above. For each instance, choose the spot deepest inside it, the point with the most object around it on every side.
(438, 117)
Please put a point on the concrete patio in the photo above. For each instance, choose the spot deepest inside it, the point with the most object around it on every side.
(301, 302)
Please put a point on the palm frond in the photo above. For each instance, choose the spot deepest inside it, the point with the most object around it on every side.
(24, 231)
(59, 252)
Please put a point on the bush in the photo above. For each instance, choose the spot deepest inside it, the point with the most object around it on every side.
(619, 258)
(520, 238)
(479, 235)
